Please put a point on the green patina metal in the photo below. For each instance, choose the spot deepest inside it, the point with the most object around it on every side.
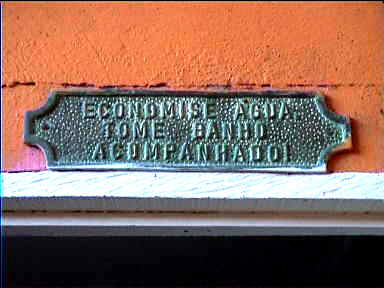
(186, 130)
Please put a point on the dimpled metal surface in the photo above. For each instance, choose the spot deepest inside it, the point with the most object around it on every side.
(187, 130)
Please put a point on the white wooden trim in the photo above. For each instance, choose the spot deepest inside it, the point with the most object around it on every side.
(189, 224)
(193, 192)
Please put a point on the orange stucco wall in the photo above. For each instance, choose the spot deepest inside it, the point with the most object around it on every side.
(336, 48)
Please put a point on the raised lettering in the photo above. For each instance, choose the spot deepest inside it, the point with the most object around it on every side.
(134, 110)
(99, 152)
(116, 151)
(133, 151)
(239, 111)
(227, 130)
(238, 154)
(243, 130)
(209, 110)
(285, 153)
(221, 152)
(182, 109)
(212, 131)
(157, 130)
(118, 110)
(197, 130)
(254, 153)
(193, 110)
(185, 152)
(103, 110)
(150, 111)
(259, 130)
(269, 110)
(140, 130)
(254, 111)
(167, 110)
(273, 153)
(107, 129)
(123, 130)
(88, 110)
(169, 150)
(202, 152)
(151, 151)
(283, 111)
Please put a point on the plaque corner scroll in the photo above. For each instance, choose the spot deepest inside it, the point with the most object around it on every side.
(29, 131)
(342, 122)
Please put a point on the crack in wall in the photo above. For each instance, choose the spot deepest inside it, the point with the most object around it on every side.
(166, 85)
(17, 83)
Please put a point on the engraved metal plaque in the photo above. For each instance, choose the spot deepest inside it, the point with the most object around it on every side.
(187, 130)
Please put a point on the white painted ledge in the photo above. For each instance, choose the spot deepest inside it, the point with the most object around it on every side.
(193, 192)
(189, 224)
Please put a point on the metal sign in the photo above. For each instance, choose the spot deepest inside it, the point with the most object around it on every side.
(187, 130)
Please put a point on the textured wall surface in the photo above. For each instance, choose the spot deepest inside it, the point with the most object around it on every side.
(336, 48)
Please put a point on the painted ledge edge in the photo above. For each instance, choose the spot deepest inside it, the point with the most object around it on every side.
(189, 224)
(192, 192)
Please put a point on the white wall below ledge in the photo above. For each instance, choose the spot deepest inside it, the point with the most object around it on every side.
(192, 192)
